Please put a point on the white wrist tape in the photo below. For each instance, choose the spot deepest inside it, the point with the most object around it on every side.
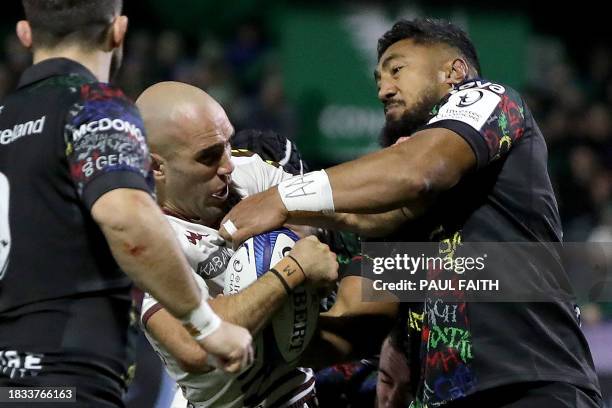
(230, 227)
(201, 321)
(310, 192)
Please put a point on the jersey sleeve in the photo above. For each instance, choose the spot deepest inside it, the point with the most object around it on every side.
(253, 175)
(490, 122)
(150, 305)
(105, 144)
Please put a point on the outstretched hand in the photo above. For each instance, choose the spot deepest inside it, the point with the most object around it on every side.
(254, 215)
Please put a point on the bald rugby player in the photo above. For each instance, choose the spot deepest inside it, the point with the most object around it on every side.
(197, 178)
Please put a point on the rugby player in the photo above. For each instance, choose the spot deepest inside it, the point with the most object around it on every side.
(393, 383)
(197, 179)
(78, 219)
(474, 168)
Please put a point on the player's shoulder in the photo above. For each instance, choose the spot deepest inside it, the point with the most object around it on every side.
(242, 153)
(102, 91)
(476, 102)
(102, 107)
(482, 84)
(474, 90)
(108, 100)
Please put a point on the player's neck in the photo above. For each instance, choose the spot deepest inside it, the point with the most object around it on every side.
(212, 222)
(98, 62)
(169, 209)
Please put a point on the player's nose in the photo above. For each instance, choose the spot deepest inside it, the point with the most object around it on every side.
(386, 91)
(226, 167)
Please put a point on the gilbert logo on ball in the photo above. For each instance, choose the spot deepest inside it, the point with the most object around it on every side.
(293, 325)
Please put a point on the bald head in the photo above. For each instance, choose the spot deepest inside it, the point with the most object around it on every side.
(188, 134)
(174, 113)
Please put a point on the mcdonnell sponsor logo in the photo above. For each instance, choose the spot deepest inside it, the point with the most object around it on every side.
(104, 125)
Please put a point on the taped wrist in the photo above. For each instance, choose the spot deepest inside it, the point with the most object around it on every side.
(310, 192)
(201, 321)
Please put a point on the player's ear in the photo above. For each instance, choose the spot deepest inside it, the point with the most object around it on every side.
(24, 33)
(456, 72)
(116, 33)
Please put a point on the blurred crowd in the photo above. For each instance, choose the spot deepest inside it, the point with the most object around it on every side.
(573, 108)
(242, 72)
(574, 111)
(571, 105)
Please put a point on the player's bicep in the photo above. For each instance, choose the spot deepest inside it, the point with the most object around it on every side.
(132, 202)
(443, 158)
(381, 224)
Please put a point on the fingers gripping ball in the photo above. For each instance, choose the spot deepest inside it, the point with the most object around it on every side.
(293, 325)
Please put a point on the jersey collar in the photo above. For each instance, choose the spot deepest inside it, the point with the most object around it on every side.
(54, 67)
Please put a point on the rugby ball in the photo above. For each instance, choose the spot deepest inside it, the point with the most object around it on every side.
(294, 324)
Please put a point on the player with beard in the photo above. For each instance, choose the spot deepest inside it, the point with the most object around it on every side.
(410, 121)
(78, 220)
(471, 166)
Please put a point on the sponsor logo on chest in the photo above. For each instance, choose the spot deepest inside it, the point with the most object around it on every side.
(32, 127)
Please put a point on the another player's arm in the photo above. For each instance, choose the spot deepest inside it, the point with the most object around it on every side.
(171, 334)
(341, 336)
(367, 225)
(409, 174)
(265, 175)
(432, 160)
(113, 183)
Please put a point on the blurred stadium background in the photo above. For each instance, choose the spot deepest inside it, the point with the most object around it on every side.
(304, 69)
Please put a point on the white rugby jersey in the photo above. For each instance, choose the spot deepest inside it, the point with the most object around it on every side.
(262, 385)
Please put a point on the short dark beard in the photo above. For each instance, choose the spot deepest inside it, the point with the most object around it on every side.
(409, 122)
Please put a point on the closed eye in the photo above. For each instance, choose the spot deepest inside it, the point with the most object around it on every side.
(385, 380)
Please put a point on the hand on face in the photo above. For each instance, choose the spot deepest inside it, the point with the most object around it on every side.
(254, 215)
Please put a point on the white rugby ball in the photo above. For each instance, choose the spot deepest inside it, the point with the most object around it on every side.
(295, 322)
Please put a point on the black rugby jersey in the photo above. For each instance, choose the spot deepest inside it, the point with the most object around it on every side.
(467, 346)
(65, 140)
